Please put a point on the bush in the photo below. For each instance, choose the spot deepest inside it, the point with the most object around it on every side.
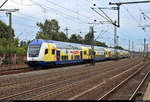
(3, 50)
(19, 50)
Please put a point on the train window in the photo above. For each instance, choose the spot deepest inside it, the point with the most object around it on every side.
(78, 57)
(84, 52)
(46, 51)
(53, 52)
(63, 58)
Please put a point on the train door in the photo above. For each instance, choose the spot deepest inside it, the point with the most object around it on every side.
(81, 54)
(58, 55)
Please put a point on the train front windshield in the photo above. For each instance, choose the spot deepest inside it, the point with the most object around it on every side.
(34, 50)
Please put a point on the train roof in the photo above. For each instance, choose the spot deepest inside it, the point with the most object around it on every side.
(68, 45)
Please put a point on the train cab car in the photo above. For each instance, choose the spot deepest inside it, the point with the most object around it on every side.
(47, 52)
(36, 53)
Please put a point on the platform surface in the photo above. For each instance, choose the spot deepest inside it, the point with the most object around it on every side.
(147, 93)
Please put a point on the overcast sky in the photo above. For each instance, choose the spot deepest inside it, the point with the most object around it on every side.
(76, 15)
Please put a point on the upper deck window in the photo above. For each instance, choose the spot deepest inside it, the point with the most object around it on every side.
(34, 50)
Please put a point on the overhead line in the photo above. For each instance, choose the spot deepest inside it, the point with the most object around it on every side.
(3, 3)
(21, 4)
(27, 15)
(66, 9)
(87, 1)
(45, 7)
(129, 13)
(25, 18)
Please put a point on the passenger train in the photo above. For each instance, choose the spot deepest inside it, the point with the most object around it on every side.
(47, 52)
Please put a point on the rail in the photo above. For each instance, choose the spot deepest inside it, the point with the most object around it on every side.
(120, 84)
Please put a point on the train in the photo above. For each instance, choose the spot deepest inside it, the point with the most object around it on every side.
(48, 52)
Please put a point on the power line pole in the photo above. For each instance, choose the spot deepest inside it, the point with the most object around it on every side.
(122, 3)
(92, 46)
(129, 46)
(135, 2)
(144, 47)
(10, 37)
(115, 40)
(132, 49)
(147, 50)
(66, 29)
(9, 12)
(129, 50)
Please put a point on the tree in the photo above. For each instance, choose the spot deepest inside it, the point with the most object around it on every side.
(4, 37)
(16, 42)
(62, 36)
(97, 43)
(80, 39)
(119, 47)
(22, 43)
(87, 38)
(76, 38)
(48, 30)
(73, 38)
(5, 31)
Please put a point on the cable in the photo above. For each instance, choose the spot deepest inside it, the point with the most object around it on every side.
(21, 4)
(66, 9)
(45, 7)
(129, 13)
(27, 25)
(87, 1)
(25, 18)
(3, 3)
(27, 15)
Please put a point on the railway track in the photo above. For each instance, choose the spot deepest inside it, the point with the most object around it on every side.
(21, 70)
(101, 88)
(66, 90)
(127, 90)
(53, 86)
(57, 76)
(14, 71)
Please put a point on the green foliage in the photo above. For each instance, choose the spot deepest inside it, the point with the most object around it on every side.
(5, 31)
(22, 43)
(119, 47)
(87, 38)
(3, 50)
(19, 50)
(3, 45)
(97, 43)
(16, 42)
(48, 30)
(75, 38)
(62, 37)
(4, 39)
